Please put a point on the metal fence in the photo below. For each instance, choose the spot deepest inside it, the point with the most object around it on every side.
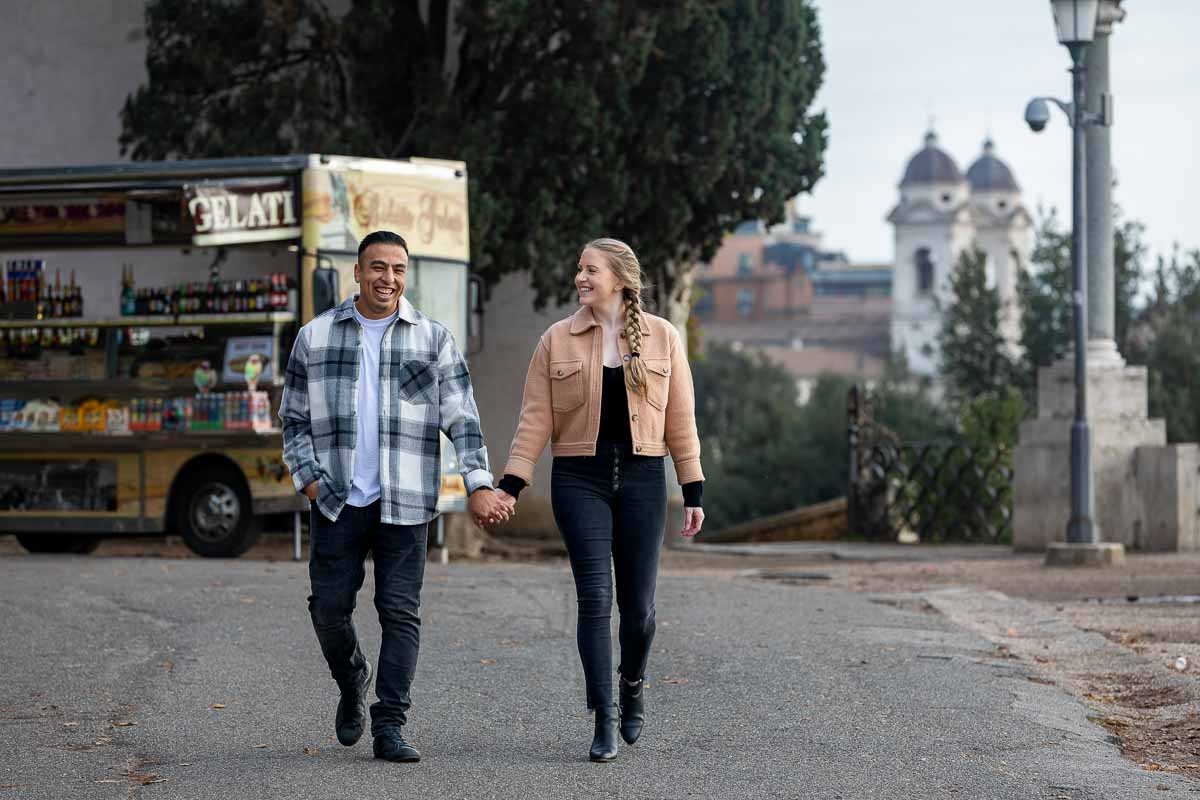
(941, 491)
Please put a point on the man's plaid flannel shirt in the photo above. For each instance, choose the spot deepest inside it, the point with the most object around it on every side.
(424, 389)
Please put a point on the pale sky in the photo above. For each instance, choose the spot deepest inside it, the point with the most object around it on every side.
(972, 65)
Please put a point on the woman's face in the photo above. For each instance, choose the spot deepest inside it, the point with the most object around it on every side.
(595, 280)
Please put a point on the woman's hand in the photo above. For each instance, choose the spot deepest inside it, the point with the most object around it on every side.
(693, 519)
(508, 501)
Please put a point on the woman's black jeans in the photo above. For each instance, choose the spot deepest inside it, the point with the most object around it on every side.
(611, 509)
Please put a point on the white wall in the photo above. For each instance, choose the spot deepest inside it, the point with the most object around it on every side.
(511, 331)
(66, 67)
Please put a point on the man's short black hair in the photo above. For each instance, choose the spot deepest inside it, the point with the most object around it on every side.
(381, 237)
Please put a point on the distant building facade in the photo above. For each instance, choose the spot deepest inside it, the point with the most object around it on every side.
(778, 291)
(941, 214)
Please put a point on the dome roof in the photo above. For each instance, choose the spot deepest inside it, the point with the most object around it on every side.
(931, 164)
(990, 174)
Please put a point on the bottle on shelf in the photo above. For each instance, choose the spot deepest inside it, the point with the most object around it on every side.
(129, 299)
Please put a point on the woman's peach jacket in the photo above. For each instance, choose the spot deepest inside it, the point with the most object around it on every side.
(562, 397)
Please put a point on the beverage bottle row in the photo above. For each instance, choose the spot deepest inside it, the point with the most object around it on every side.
(25, 340)
(219, 411)
(25, 281)
(269, 293)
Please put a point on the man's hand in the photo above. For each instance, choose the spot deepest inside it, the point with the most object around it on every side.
(693, 519)
(486, 507)
(310, 491)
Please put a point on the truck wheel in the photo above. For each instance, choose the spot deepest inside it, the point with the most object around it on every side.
(215, 516)
(58, 543)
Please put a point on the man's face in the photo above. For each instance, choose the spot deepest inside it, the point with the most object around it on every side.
(380, 274)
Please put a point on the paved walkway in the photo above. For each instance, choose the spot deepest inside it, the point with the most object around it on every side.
(202, 679)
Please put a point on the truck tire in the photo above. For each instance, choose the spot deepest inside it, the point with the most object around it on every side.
(58, 543)
(215, 517)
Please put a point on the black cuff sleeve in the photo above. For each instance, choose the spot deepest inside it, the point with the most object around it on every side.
(512, 484)
(693, 494)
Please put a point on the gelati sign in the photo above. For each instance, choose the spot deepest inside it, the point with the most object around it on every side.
(242, 211)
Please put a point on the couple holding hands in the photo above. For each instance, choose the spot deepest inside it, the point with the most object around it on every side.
(371, 384)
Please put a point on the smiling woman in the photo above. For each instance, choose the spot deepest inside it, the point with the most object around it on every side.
(611, 389)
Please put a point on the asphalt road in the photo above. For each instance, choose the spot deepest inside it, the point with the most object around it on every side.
(161, 678)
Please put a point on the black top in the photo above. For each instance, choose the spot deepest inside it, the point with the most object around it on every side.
(614, 429)
(614, 409)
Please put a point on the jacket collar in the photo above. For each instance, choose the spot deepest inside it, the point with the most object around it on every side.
(345, 311)
(584, 320)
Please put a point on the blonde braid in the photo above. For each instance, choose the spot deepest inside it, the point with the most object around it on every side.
(635, 369)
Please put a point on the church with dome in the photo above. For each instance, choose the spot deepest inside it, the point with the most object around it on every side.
(941, 214)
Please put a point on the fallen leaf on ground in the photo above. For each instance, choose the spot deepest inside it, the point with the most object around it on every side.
(248, 600)
(312, 751)
(675, 681)
(144, 778)
(168, 665)
(70, 724)
(123, 724)
(261, 746)
(1010, 632)
(487, 661)
(217, 705)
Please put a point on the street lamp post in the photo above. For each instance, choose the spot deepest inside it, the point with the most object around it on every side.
(1081, 528)
(1075, 21)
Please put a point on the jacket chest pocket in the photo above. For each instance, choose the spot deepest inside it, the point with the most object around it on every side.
(415, 381)
(658, 381)
(566, 385)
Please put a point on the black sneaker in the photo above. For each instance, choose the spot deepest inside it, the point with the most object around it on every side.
(390, 746)
(351, 719)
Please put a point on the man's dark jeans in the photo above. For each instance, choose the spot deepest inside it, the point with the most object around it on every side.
(336, 569)
(611, 509)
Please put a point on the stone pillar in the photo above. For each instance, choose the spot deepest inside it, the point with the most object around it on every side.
(1117, 401)
(1102, 345)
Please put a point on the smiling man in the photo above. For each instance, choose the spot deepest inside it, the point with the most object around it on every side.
(370, 383)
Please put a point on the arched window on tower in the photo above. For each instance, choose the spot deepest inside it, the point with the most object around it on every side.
(924, 263)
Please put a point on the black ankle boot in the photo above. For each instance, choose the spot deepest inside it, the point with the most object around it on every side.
(604, 745)
(633, 712)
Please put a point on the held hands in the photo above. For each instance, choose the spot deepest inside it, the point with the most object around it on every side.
(693, 519)
(310, 491)
(490, 507)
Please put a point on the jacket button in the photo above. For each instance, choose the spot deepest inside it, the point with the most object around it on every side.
(635, 417)
(560, 373)
(637, 449)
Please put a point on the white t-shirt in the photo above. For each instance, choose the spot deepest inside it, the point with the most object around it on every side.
(365, 488)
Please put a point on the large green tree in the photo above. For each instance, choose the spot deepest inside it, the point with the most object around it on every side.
(1166, 339)
(664, 123)
(975, 357)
